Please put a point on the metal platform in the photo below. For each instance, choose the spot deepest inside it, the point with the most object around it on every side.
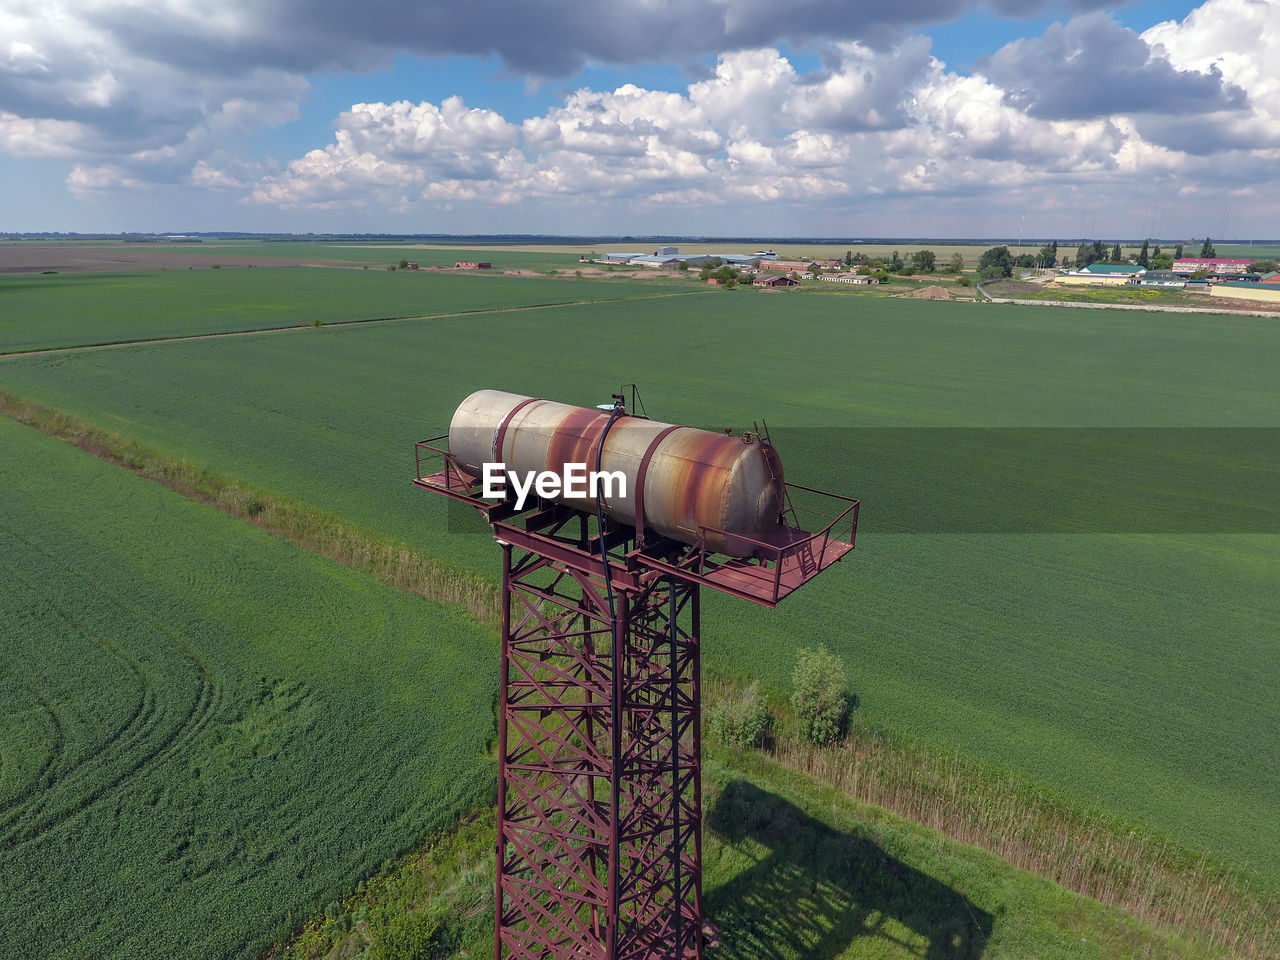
(777, 567)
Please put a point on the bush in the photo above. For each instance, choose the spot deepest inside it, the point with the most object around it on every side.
(819, 698)
(741, 722)
(963, 281)
(408, 936)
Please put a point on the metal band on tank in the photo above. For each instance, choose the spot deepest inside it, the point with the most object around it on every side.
(501, 433)
(640, 474)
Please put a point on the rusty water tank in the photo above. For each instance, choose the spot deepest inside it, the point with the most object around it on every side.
(683, 479)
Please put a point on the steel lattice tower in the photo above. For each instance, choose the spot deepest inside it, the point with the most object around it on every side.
(599, 851)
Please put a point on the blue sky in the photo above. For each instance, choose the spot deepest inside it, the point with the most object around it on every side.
(932, 118)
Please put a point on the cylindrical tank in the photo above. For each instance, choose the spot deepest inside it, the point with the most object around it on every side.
(684, 479)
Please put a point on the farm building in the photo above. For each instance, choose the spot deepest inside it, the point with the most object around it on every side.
(666, 251)
(473, 265)
(619, 257)
(776, 281)
(1272, 278)
(801, 265)
(1087, 279)
(1211, 265)
(1248, 290)
(1114, 269)
(847, 278)
(657, 262)
(1160, 278)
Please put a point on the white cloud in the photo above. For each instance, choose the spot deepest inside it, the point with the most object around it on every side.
(169, 94)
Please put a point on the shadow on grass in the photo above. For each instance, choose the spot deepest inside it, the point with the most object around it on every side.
(812, 891)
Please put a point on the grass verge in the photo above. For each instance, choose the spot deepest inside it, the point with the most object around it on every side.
(792, 868)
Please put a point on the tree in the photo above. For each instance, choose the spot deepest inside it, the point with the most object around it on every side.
(1162, 262)
(403, 264)
(957, 263)
(819, 698)
(1206, 249)
(1155, 251)
(1088, 253)
(994, 263)
(1263, 266)
(1116, 255)
(923, 261)
(1177, 254)
(1144, 255)
(848, 258)
(814, 270)
(895, 263)
(1026, 260)
(1048, 255)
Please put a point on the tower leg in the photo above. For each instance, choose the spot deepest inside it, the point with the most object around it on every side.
(599, 817)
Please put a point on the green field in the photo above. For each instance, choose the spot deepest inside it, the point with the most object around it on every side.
(64, 310)
(206, 733)
(1134, 672)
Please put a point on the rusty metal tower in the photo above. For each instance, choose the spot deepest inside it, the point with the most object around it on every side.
(599, 852)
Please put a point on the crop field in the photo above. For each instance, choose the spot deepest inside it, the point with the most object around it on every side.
(1130, 664)
(205, 732)
(64, 310)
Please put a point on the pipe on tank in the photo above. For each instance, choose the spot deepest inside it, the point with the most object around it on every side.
(681, 479)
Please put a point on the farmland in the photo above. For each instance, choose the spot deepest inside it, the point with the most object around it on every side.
(1127, 669)
(63, 310)
(206, 732)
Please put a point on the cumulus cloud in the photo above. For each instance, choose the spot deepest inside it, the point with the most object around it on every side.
(1092, 66)
(136, 100)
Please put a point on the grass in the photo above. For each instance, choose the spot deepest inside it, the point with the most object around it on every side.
(206, 733)
(1067, 657)
(64, 310)
(1139, 296)
(792, 869)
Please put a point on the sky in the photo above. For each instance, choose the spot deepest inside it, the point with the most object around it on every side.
(766, 118)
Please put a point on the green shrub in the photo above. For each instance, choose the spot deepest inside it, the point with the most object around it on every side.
(742, 721)
(409, 936)
(819, 697)
(963, 281)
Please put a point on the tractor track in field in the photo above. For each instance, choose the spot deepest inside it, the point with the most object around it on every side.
(300, 327)
(132, 746)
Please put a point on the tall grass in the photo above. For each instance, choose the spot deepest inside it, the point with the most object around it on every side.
(1083, 850)
(314, 530)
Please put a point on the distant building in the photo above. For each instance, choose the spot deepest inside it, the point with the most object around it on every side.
(1120, 269)
(666, 251)
(847, 278)
(1213, 266)
(1089, 279)
(657, 261)
(775, 281)
(465, 265)
(1266, 292)
(1271, 278)
(620, 257)
(1159, 278)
